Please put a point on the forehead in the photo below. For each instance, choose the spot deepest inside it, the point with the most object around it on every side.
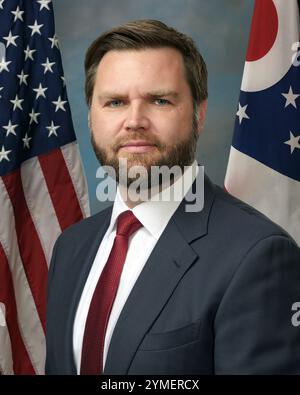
(152, 66)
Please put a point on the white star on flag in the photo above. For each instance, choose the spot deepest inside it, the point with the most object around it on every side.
(3, 65)
(59, 104)
(29, 52)
(293, 142)
(11, 40)
(23, 77)
(54, 41)
(44, 4)
(241, 113)
(1, 4)
(48, 66)
(1, 87)
(35, 28)
(17, 103)
(290, 98)
(4, 154)
(18, 14)
(40, 91)
(33, 116)
(10, 128)
(26, 140)
(52, 129)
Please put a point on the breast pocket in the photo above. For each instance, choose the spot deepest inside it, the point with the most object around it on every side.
(171, 339)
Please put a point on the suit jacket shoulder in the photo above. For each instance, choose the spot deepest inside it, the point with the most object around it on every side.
(85, 226)
(242, 221)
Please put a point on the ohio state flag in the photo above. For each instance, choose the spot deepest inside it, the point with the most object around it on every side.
(264, 162)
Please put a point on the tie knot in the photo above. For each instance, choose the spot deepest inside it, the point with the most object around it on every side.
(127, 224)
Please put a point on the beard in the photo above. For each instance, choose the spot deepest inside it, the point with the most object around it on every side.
(179, 154)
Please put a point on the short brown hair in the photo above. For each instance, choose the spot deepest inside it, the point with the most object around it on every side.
(144, 34)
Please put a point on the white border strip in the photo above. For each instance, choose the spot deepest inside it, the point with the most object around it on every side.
(275, 195)
(6, 360)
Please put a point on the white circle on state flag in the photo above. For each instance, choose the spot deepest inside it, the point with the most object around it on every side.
(269, 69)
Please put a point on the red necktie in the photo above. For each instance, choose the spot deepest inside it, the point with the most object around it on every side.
(104, 296)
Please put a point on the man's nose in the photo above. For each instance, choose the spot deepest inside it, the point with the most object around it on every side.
(137, 117)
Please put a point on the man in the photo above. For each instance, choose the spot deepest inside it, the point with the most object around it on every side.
(149, 286)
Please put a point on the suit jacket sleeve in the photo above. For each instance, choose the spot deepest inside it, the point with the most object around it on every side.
(253, 329)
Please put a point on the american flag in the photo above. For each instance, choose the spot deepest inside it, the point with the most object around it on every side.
(42, 186)
(264, 162)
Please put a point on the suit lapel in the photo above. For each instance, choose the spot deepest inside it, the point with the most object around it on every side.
(167, 264)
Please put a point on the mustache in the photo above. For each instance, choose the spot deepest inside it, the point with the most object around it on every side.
(124, 140)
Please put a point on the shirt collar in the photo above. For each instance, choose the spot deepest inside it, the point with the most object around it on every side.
(156, 212)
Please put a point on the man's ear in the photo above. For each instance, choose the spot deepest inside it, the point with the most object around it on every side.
(201, 115)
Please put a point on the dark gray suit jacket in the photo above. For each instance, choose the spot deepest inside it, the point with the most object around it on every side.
(214, 297)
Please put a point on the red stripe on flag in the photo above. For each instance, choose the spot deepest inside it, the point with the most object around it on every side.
(21, 360)
(31, 251)
(61, 188)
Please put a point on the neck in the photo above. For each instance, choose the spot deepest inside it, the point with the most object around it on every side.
(133, 198)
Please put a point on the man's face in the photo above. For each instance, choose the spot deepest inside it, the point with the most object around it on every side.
(142, 110)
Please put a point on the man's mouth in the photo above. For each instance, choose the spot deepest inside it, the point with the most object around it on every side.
(138, 146)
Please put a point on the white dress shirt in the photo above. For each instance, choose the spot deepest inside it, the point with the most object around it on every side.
(154, 215)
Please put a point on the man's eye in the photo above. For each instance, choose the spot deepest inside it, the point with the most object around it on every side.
(114, 103)
(161, 102)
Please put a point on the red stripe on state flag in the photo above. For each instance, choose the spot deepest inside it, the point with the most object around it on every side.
(21, 360)
(30, 247)
(61, 188)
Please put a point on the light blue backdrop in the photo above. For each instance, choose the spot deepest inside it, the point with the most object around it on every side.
(220, 29)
